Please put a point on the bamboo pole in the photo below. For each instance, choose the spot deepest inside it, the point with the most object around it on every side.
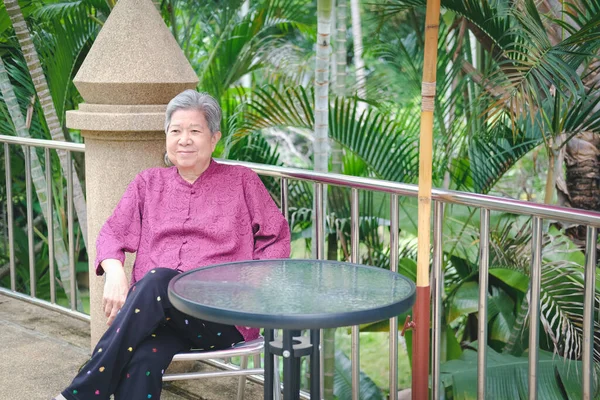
(420, 370)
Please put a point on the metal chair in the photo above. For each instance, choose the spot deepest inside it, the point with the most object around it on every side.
(245, 349)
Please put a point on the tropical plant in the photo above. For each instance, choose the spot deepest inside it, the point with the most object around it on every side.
(44, 95)
(556, 379)
(343, 381)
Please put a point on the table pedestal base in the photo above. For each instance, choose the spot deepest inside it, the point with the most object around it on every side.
(292, 347)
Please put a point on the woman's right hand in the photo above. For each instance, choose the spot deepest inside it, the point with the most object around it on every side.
(115, 288)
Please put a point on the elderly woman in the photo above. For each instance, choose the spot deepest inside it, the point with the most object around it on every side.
(194, 214)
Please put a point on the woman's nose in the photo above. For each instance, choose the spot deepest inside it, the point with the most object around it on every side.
(185, 138)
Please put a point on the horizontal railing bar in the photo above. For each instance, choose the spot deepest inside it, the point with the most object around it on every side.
(232, 352)
(492, 203)
(260, 379)
(43, 303)
(51, 144)
(215, 374)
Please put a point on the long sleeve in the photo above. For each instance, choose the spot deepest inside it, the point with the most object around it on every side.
(121, 232)
(271, 230)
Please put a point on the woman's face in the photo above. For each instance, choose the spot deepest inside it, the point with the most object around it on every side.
(189, 141)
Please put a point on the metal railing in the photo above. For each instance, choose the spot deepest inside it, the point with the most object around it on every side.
(29, 145)
(486, 204)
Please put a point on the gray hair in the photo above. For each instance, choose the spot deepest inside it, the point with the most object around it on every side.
(192, 100)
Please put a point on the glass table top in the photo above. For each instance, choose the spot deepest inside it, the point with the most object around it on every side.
(292, 294)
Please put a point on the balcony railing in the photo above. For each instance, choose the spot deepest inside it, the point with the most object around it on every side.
(538, 213)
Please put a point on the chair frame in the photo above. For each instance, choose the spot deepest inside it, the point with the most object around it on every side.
(244, 350)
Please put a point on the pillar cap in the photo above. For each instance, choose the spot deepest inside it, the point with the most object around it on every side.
(117, 118)
(134, 60)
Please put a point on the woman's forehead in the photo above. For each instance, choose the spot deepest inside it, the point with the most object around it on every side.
(188, 118)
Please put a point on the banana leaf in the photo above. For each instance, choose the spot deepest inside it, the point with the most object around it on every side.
(342, 381)
(507, 376)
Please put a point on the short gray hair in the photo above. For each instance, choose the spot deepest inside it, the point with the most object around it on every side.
(192, 100)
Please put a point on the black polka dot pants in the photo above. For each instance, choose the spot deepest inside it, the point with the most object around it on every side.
(132, 355)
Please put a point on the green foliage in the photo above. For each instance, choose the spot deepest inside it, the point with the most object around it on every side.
(507, 376)
(342, 386)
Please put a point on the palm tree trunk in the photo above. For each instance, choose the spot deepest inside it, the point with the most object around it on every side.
(359, 64)
(321, 159)
(552, 173)
(340, 76)
(582, 160)
(39, 180)
(322, 85)
(43, 93)
(340, 48)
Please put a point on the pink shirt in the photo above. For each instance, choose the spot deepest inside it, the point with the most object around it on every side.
(226, 215)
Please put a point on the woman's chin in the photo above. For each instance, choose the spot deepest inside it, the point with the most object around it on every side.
(186, 164)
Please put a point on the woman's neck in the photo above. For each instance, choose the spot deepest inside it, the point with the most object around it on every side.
(189, 176)
(192, 174)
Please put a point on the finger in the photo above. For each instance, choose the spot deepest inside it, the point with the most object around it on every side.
(108, 308)
(112, 316)
(119, 303)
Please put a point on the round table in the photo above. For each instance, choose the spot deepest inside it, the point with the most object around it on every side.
(291, 295)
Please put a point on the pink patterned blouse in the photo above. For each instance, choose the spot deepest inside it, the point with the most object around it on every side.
(225, 215)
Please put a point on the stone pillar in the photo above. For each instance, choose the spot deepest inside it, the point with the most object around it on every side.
(131, 72)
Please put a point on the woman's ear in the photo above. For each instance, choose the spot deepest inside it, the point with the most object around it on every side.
(215, 139)
(166, 160)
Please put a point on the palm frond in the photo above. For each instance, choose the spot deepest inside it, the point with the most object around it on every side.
(53, 10)
(389, 148)
(491, 155)
(60, 48)
(237, 51)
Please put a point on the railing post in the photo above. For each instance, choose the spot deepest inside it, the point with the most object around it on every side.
(30, 246)
(320, 253)
(534, 304)
(10, 217)
(50, 225)
(284, 198)
(319, 221)
(588, 312)
(438, 214)
(70, 224)
(355, 243)
(393, 346)
(484, 262)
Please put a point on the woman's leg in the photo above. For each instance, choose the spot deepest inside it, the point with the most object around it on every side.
(142, 377)
(143, 311)
(200, 334)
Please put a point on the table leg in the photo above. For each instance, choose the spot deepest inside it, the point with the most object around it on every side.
(291, 370)
(315, 370)
(268, 366)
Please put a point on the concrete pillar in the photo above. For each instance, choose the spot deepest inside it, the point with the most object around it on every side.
(131, 72)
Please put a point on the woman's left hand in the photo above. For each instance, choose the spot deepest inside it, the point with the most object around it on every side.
(115, 289)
